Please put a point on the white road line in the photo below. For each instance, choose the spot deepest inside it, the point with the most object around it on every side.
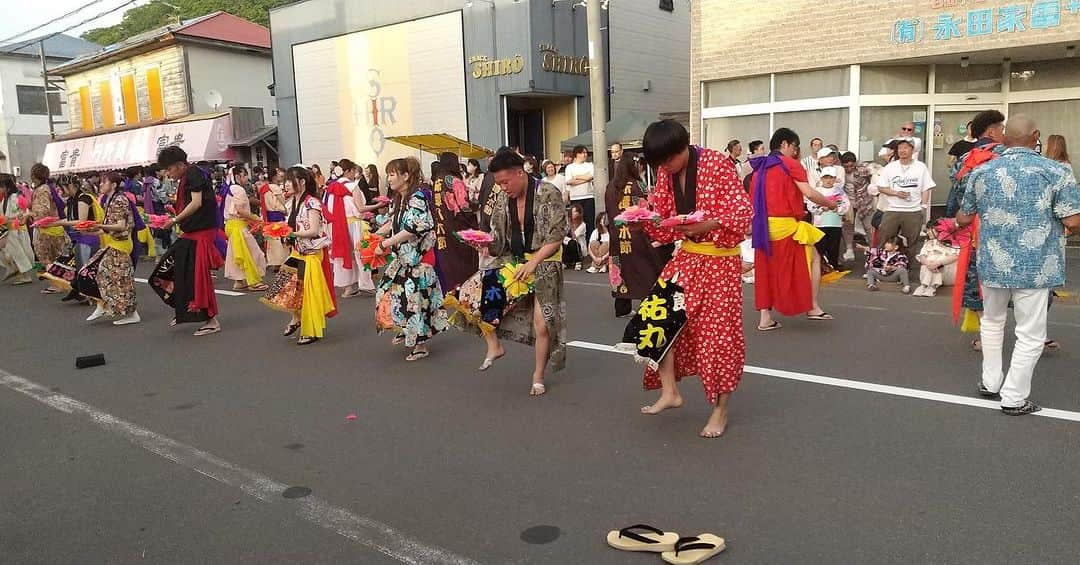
(859, 385)
(580, 283)
(363, 530)
(221, 292)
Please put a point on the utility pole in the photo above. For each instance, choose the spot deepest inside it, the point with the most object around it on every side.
(597, 103)
(45, 77)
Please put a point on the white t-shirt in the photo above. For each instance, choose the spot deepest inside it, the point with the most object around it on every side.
(913, 179)
(583, 191)
(601, 237)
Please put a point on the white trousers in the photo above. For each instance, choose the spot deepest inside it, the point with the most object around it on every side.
(1029, 308)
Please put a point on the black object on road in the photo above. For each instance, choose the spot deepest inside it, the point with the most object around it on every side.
(89, 361)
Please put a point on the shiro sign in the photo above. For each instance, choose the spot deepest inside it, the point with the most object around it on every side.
(969, 18)
(483, 67)
(554, 62)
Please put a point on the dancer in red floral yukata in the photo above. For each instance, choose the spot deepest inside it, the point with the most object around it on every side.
(702, 184)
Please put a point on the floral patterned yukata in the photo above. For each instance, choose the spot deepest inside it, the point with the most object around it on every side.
(711, 344)
(116, 272)
(416, 299)
(49, 242)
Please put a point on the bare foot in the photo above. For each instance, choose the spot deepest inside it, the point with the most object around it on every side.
(663, 403)
(716, 425)
(538, 389)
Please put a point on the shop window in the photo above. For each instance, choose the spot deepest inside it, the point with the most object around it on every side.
(1044, 75)
(813, 84)
(734, 92)
(719, 131)
(1054, 117)
(879, 124)
(900, 79)
(952, 79)
(31, 101)
(830, 125)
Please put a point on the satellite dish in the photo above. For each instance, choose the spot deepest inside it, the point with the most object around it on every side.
(213, 99)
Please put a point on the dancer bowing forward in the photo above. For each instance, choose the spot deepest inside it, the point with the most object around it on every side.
(707, 267)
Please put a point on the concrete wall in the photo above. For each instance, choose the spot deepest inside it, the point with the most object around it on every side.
(733, 39)
(174, 83)
(649, 44)
(240, 77)
(22, 137)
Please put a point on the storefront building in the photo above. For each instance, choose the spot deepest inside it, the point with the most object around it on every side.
(851, 72)
(351, 73)
(202, 84)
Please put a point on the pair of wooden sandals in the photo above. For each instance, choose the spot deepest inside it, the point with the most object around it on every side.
(671, 547)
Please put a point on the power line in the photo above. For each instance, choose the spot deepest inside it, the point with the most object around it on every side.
(52, 21)
(69, 28)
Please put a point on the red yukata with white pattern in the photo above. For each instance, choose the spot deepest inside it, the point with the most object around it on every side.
(711, 345)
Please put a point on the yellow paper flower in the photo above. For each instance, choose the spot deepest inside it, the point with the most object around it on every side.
(515, 289)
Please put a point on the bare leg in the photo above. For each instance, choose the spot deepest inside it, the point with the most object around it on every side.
(669, 392)
(815, 281)
(766, 318)
(718, 419)
(494, 350)
(543, 343)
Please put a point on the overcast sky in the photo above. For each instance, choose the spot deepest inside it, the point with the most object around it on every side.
(22, 15)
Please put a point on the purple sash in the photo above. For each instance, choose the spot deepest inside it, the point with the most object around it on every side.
(759, 225)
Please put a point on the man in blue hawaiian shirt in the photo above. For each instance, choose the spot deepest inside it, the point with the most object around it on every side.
(1025, 203)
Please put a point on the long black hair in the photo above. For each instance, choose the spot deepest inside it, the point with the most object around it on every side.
(8, 188)
(625, 172)
(295, 175)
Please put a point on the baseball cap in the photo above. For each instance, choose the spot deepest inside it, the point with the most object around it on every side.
(829, 171)
(824, 152)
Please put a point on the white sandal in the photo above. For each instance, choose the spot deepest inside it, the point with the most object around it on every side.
(538, 389)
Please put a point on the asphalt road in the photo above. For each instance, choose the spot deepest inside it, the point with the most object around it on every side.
(179, 448)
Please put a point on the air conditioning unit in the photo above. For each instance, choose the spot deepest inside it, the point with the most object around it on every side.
(17, 171)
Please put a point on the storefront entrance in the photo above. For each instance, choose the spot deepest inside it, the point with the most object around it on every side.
(950, 126)
(536, 124)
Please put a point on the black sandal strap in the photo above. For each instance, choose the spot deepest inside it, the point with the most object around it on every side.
(687, 544)
(628, 532)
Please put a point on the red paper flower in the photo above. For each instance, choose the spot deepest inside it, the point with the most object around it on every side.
(45, 222)
(475, 237)
(369, 255)
(277, 229)
(157, 221)
(86, 225)
(636, 214)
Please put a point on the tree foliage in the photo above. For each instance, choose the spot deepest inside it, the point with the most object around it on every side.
(157, 13)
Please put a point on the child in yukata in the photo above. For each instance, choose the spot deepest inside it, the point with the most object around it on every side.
(935, 257)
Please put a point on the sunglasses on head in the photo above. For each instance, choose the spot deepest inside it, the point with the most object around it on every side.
(907, 129)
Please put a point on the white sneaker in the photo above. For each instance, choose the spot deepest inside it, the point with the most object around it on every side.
(591, 270)
(849, 255)
(132, 319)
(98, 313)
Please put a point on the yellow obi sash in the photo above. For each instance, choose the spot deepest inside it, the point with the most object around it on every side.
(235, 230)
(53, 231)
(707, 249)
(124, 246)
(555, 258)
(802, 232)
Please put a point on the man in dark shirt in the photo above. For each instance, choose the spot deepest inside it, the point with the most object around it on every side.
(192, 258)
(961, 147)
